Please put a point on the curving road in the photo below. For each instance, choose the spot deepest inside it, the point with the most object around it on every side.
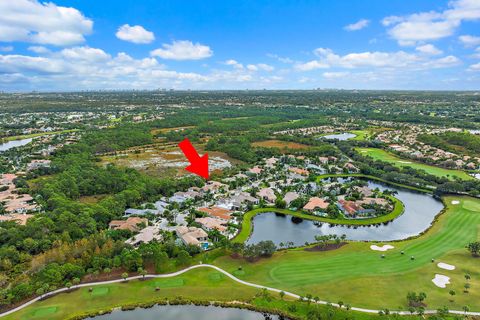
(174, 274)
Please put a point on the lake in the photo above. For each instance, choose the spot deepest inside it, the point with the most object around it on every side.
(340, 136)
(187, 312)
(13, 144)
(420, 210)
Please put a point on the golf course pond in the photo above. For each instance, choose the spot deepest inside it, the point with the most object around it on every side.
(188, 312)
(14, 143)
(340, 136)
(420, 210)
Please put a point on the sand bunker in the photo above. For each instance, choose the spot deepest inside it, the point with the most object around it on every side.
(441, 281)
(445, 266)
(455, 202)
(382, 248)
(407, 162)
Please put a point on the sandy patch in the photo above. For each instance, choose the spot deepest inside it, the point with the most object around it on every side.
(445, 266)
(382, 248)
(455, 202)
(364, 151)
(441, 281)
(407, 162)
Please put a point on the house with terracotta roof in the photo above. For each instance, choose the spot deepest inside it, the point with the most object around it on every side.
(132, 224)
(255, 170)
(348, 207)
(299, 171)
(316, 203)
(217, 212)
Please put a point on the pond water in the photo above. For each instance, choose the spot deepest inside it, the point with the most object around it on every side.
(340, 136)
(13, 144)
(420, 210)
(187, 312)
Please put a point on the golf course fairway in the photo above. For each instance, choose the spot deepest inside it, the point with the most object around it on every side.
(357, 275)
(382, 155)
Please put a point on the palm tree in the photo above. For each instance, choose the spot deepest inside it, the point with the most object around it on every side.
(467, 276)
(340, 304)
(282, 294)
(466, 286)
(466, 309)
(125, 276)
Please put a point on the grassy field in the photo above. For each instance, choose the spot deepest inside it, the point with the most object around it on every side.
(279, 144)
(358, 275)
(195, 285)
(247, 225)
(34, 135)
(379, 154)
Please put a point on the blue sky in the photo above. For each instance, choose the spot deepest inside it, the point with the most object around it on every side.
(77, 45)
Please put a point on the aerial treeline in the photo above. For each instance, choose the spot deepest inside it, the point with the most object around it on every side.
(67, 220)
(99, 256)
(456, 142)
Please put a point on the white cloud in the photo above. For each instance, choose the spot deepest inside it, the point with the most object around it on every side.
(234, 63)
(474, 67)
(6, 49)
(433, 25)
(335, 75)
(429, 49)
(311, 65)
(183, 50)
(260, 66)
(44, 23)
(85, 54)
(281, 59)
(393, 60)
(360, 24)
(469, 41)
(135, 34)
(38, 49)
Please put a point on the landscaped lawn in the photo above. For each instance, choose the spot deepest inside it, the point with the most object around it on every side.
(380, 154)
(359, 276)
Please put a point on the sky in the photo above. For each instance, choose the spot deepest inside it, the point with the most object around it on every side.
(251, 44)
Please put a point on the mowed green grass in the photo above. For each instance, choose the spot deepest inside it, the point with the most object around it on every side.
(359, 276)
(379, 154)
(203, 284)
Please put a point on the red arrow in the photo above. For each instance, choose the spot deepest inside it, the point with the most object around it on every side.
(198, 165)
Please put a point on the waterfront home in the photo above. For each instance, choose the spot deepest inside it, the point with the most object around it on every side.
(315, 203)
(145, 235)
(192, 236)
(132, 224)
(267, 194)
(289, 197)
